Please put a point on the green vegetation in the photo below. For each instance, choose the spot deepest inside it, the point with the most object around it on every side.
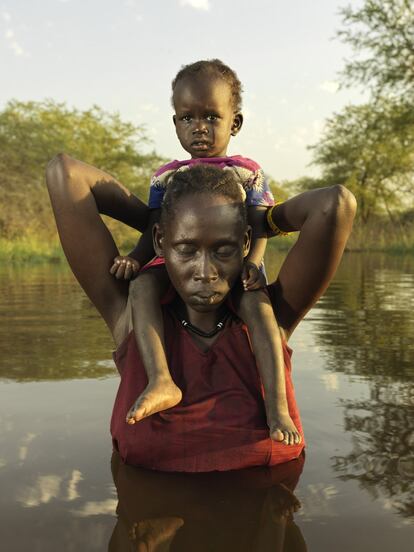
(31, 133)
(369, 148)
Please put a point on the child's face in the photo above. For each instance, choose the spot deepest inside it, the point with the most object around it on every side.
(204, 116)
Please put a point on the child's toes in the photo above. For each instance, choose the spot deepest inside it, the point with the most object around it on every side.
(277, 435)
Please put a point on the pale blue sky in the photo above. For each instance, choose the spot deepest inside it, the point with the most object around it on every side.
(122, 56)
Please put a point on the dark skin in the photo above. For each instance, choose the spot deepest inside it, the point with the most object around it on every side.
(80, 193)
(205, 120)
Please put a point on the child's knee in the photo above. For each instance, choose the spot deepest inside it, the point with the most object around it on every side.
(146, 286)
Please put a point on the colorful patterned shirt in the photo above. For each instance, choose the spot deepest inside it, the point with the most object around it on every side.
(249, 175)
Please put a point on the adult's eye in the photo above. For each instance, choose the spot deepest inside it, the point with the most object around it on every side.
(225, 251)
(185, 250)
(186, 118)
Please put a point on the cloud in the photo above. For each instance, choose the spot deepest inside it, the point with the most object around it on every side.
(23, 450)
(98, 508)
(330, 381)
(6, 16)
(196, 4)
(304, 135)
(329, 86)
(42, 492)
(72, 492)
(149, 108)
(13, 44)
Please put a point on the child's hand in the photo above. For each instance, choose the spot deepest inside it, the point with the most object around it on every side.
(124, 268)
(252, 278)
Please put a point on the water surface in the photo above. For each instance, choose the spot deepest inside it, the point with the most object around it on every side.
(353, 368)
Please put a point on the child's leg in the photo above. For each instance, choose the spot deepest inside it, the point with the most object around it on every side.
(161, 392)
(257, 312)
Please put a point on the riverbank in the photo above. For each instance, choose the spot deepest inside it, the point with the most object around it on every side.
(34, 250)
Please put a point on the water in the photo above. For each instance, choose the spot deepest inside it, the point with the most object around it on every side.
(353, 368)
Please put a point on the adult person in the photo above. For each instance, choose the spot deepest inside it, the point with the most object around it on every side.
(248, 510)
(220, 424)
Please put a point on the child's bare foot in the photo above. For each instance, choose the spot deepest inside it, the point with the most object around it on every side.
(155, 534)
(282, 502)
(282, 428)
(159, 395)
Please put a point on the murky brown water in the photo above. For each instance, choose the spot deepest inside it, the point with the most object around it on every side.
(353, 371)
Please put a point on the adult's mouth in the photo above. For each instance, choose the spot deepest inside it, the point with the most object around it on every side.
(210, 298)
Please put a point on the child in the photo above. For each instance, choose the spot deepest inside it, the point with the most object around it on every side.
(207, 103)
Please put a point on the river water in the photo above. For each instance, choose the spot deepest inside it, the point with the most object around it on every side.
(353, 369)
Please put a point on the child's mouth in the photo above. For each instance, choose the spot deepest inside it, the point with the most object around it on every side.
(200, 145)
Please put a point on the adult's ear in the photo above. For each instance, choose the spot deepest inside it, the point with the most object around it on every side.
(237, 123)
(247, 241)
(158, 240)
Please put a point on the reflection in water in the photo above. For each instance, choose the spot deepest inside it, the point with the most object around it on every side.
(54, 434)
(366, 328)
(247, 510)
(48, 328)
(365, 323)
(382, 459)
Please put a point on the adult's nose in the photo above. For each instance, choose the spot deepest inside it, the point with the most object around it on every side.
(205, 269)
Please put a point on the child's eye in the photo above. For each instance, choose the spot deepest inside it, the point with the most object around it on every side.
(186, 118)
(211, 117)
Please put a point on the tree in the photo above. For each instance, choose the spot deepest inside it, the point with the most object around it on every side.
(370, 149)
(31, 133)
(381, 33)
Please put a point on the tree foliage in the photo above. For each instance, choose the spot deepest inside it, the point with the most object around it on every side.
(370, 149)
(381, 33)
(31, 133)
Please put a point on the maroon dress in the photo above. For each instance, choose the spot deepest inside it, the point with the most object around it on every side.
(220, 424)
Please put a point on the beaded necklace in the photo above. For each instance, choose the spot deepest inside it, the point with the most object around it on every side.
(188, 326)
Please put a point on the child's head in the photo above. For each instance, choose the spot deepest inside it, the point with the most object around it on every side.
(207, 103)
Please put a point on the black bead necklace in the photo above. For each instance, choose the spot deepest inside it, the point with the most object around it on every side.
(188, 326)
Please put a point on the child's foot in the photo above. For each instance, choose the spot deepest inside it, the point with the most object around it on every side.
(158, 395)
(282, 429)
(155, 534)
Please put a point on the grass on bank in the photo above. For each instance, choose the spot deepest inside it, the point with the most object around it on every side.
(378, 236)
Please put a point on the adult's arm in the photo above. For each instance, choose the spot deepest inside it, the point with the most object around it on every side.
(79, 193)
(324, 219)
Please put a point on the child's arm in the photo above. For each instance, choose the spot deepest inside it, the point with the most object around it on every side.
(252, 277)
(127, 267)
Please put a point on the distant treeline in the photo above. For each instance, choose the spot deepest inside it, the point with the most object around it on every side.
(369, 147)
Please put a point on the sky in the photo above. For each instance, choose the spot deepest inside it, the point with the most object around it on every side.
(123, 54)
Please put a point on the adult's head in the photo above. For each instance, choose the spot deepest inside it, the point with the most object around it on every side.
(207, 103)
(203, 235)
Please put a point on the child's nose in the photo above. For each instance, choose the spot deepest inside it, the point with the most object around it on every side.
(200, 127)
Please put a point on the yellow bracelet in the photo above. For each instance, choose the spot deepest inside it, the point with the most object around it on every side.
(273, 227)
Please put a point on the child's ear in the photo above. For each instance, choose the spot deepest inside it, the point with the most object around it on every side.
(237, 124)
(175, 120)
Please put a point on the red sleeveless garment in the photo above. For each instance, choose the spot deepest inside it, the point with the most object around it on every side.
(220, 424)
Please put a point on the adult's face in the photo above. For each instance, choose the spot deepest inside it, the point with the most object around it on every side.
(204, 244)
